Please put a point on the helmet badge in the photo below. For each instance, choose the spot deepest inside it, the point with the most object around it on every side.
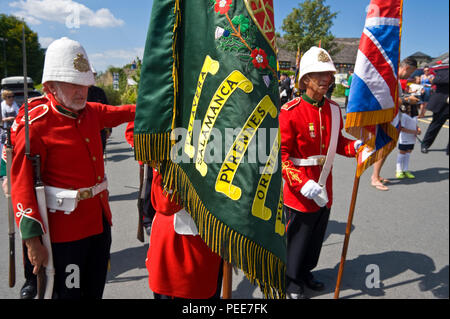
(323, 57)
(80, 63)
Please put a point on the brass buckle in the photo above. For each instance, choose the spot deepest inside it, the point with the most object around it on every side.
(321, 160)
(86, 194)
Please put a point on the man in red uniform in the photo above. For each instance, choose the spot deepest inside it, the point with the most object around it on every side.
(179, 263)
(63, 131)
(307, 149)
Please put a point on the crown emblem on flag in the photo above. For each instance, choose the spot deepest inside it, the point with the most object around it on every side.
(80, 63)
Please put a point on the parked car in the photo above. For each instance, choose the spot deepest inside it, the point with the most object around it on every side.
(15, 84)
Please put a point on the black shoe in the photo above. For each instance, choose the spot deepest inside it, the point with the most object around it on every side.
(298, 294)
(29, 289)
(313, 284)
(424, 149)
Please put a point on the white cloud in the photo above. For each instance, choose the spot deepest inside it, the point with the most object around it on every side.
(45, 41)
(68, 12)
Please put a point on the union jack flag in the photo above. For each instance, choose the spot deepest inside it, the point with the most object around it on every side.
(373, 98)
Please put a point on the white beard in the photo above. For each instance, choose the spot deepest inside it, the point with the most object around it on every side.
(67, 102)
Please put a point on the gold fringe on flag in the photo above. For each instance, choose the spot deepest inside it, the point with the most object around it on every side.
(382, 153)
(152, 147)
(356, 121)
(259, 265)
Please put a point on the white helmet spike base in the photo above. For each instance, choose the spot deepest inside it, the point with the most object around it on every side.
(315, 60)
(67, 61)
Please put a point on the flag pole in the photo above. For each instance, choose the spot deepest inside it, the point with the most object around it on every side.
(347, 235)
(227, 280)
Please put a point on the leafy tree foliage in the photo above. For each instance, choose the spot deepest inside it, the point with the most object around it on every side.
(11, 30)
(308, 25)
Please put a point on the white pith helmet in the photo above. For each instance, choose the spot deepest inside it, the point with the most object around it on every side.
(67, 61)
(315, 60)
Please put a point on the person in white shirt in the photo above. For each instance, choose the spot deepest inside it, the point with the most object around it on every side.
(408, 133)
(9, 112)
(416, 88)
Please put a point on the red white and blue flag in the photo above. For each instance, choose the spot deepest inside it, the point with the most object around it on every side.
(373, 98)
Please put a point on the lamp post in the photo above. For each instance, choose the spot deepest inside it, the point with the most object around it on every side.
(4, 54)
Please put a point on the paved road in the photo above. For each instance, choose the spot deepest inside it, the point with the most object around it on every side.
(401, 234)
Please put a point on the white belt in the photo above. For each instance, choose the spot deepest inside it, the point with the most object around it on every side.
(316, 160)
(66, 200)
(89, 192)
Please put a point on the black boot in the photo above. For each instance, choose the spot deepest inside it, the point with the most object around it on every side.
(29, 289)
(312, 283)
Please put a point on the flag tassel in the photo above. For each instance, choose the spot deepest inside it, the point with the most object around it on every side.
(254, 260)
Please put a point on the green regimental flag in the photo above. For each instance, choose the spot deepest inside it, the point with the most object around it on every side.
(207, 117)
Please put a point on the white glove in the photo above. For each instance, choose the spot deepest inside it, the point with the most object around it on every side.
(357, 145)
(311, 189)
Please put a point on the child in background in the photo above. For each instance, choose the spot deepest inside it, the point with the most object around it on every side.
(408, 132)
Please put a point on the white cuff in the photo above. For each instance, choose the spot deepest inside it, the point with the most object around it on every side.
(357, 145)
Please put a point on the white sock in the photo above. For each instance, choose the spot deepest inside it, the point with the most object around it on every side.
(406, 162)
(400, 161)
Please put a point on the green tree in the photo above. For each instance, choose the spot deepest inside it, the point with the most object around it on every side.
(308, 25)
(11, 30)
(127, 94)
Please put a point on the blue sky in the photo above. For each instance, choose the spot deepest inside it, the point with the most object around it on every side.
(114, 32)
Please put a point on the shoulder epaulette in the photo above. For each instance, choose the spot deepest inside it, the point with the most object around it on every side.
(36, 112)
(291, 104)
(38, 100)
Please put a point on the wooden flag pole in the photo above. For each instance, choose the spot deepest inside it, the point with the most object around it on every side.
(347, 236)
(227, 280)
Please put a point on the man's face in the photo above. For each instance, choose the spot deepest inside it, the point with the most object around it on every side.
(405, 71)
(318, 82)
(70, 95)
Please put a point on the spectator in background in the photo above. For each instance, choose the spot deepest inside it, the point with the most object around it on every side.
(96, 94)
(9, 112)
(285, 88)
(439, 106)
(416, 88)
(426, 79)
(347, 85)
(330, 90)
(408, 132)
(293, 88)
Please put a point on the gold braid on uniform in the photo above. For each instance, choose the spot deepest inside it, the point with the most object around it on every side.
(291, 172)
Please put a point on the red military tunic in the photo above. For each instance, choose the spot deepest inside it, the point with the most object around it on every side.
(306, 131)
(181, 266)
(70, 148)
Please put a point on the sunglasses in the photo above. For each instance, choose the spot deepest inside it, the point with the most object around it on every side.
(9, 96)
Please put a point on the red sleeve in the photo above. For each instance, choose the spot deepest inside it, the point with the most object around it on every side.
(129, 131)
(295, 177)
(160, 199)
(23, 196)
(112, 116)
(345, 147)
